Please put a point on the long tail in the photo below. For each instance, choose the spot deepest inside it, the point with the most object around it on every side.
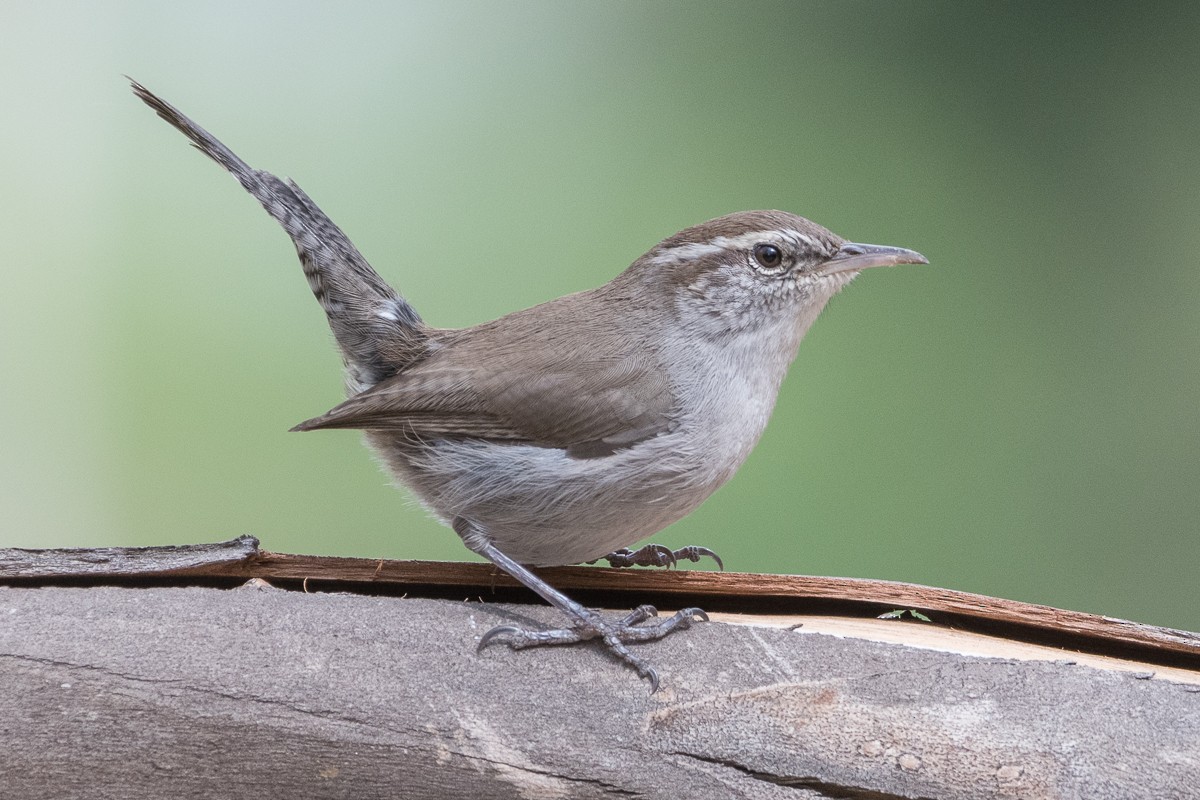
(378, 332)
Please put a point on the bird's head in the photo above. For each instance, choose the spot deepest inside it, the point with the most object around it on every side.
(755, 268)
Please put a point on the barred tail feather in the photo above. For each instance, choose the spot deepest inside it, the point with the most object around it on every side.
(377, 330)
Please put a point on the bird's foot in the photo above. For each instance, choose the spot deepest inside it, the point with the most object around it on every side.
(615, 633)
(656, 555)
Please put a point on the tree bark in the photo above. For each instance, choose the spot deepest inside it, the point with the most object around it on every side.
(189, 691)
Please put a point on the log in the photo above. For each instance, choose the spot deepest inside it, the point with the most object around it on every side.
(127, 683)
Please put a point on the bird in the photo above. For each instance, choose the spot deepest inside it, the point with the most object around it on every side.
(571, 430)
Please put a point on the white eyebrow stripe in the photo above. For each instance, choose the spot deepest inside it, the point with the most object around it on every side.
(692, 250)
(742, 240)
(687, 252)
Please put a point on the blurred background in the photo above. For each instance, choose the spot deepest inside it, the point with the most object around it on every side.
(1019, 418)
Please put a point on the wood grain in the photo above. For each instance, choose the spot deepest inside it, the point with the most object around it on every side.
(256, 692)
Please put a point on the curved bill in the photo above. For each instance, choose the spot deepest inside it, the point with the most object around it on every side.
(855, 256)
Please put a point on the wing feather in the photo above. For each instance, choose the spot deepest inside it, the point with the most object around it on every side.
(512, 380)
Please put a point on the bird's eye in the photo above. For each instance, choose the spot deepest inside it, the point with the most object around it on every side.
(768, 255)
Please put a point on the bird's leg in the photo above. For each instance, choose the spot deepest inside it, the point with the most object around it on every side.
(656, 555)
(586, 624)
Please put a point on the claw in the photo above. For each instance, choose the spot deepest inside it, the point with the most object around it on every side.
(616, 634)
(694, 553)
(656, 555)
(639, 615)
(499, 630)
(652, 555)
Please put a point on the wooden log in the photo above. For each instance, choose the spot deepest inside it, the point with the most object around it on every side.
(241, 559)
(167, 688)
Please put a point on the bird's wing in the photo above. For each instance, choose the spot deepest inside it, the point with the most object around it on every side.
(499, 384)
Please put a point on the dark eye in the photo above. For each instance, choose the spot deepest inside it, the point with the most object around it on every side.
(768, 255)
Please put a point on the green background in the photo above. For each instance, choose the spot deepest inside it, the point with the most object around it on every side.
(1019, 418)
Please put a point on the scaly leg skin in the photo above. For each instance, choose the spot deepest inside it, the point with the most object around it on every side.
(587, 624)
(656, 555)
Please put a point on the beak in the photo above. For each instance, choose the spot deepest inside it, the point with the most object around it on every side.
(853, 256)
